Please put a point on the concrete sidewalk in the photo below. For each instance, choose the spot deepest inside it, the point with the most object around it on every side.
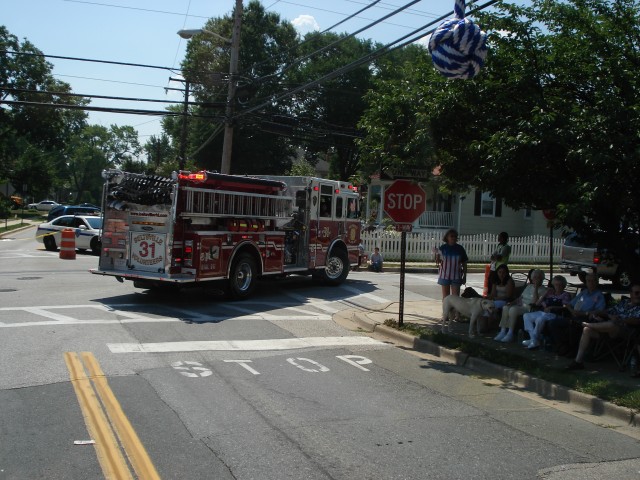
(428, 313)
(26, 223)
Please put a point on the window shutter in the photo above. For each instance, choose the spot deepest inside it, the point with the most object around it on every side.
(498, 207)
(477, 203)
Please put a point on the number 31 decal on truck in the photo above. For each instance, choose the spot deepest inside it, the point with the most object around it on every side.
(148, 251)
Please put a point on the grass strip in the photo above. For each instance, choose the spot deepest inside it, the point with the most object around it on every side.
(9, 228)
(597, 386)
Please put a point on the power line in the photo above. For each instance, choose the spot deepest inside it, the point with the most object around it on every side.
(99, 4)
(326, 47)
(256, 65)
(108, 81)
(110, 62)
(339, 13)
(106, 97)
(344, 38)
(129, 111)
(186, 15)
(367, 7)
(362, 60)
(410, 11)
(92, 60)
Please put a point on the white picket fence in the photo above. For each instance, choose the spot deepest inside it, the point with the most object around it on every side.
(421, 246)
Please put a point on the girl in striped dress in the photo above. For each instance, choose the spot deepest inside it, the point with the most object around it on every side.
(452, 264)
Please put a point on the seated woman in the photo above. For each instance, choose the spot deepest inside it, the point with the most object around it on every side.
(503, 288)
(512, 310)
(566, 330)
(620, 319)
(551, 302)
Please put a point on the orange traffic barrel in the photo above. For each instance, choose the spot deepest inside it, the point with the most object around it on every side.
(68, 244)
(487, 272)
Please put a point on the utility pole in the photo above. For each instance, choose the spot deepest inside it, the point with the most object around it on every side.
(225, 166)
(182, 155)
(183, 135)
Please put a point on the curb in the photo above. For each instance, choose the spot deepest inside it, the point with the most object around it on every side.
(414, 269)
(16, 230)
(548, 390)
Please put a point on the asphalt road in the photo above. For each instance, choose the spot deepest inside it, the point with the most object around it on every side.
(269, 388)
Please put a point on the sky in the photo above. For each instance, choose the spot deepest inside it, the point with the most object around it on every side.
(145, 32)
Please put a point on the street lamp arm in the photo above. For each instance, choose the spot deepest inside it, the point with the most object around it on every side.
(189, 33)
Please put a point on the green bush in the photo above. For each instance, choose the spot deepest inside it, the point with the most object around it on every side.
(5, 208)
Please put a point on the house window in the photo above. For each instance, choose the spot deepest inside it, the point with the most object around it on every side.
(527, 213)
(487, 205)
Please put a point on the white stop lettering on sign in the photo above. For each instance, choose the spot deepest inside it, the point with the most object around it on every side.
(404, 200)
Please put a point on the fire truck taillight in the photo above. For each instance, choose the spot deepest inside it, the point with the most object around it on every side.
(188, 253)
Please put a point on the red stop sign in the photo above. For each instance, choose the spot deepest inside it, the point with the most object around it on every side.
(404, 201)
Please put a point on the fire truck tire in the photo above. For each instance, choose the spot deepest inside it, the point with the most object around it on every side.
(50, 243)
(337, 268)
(243, 276)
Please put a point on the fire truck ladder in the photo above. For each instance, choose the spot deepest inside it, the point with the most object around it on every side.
(221, 203)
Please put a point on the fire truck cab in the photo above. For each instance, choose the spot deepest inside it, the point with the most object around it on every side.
(205, 226)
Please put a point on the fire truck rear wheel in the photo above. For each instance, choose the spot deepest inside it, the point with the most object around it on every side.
(337, 268)
(243, 276)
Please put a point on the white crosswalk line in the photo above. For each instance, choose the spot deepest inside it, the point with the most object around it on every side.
(425, 278)
(45, 313)
(370, 296)
(124, 316)
(243, 345)
(315, 303)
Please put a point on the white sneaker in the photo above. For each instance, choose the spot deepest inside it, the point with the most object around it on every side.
(525, 343)
(507, 338)
(500, 336)
(533, 345)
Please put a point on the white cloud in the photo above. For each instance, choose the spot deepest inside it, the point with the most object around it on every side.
(424, 41)
(305, 24)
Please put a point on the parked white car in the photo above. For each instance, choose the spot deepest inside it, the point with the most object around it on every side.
(44, 205)
(87, 231)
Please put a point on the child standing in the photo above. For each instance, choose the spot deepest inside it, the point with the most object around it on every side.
(452, 264)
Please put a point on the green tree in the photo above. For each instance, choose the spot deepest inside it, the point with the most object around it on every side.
(96, 148)
(266, 43)
(397, 121)
(329, 113)
(302, 168)
(552, 120)
(88, 154)
(123, 145)
(161, 155)
(33, 135)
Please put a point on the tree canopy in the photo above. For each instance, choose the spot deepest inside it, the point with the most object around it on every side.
(266, 43)
(551, 122)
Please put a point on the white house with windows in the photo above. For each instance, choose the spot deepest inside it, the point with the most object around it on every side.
(470, 213)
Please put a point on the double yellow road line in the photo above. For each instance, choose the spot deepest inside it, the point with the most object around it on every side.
(106, 422)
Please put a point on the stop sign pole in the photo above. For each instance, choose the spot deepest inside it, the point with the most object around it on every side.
(404, 202)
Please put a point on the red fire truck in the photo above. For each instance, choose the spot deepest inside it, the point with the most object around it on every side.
(205, 226)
